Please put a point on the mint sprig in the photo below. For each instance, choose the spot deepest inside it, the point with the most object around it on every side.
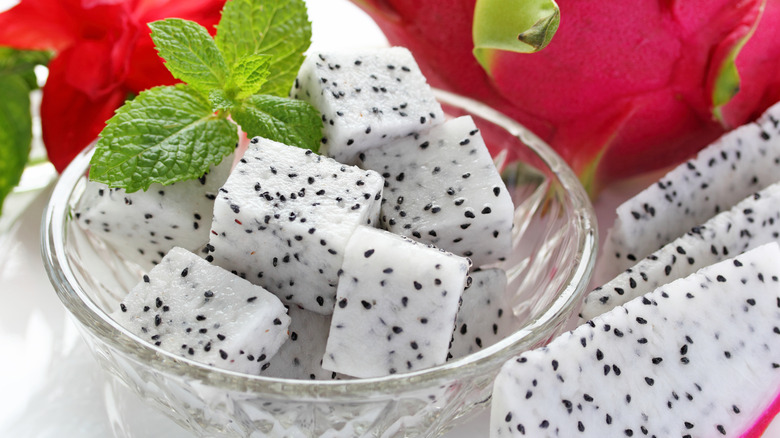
(174, 133)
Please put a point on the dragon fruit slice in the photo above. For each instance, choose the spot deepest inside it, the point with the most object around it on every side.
(189, 307)
(283, 218)
(740, 163)
(366, 98)
(442, 188)
(145, 225)
(697, 357)
(750, 223)
(397, 301)
(485, 316)
(301, 356)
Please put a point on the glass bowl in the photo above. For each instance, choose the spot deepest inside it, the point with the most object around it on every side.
(554, 253)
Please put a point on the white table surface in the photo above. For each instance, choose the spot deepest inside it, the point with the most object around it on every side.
(50, 386)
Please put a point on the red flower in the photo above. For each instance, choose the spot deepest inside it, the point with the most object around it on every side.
(103, 54)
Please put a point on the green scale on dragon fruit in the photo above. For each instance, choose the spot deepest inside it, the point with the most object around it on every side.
(485, 315)
(752, 222)
(366, 98)
(739, 164)
(191, 308)
(697, 357)
(301, 356)
(283, 218)
(442, 188)
(144, 225)
(397, 301)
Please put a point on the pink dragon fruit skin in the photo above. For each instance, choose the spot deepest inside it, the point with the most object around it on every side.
(622, 88)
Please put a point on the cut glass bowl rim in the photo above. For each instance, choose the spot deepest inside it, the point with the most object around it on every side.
(98, 322)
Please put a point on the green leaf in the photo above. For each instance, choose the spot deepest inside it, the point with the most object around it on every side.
(220, 101)
(190, 53)
(164, 135)
(280, 28)
(14, 61)
(522, 26)
(248, 75)
(288, 121)
(15, 131)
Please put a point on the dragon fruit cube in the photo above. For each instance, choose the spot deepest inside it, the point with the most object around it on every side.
(485, 316)
(301, 356)
(442, 188)
(366, 98)
(145, 225)
(283, 218)
(189, 307)
(396, 305)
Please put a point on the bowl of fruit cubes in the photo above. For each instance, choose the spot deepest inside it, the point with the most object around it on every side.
(371, 288)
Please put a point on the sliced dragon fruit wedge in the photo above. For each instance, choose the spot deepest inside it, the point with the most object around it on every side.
(396, 305)
(145, 225)
(752, 222)
(301, 356)
(366, 98)
(191, 308)
(283, 218)
(442, 188)
(740, 163)
(485, 316)
(697, 357)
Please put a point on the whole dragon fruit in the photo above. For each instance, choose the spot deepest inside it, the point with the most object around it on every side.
(621, 88)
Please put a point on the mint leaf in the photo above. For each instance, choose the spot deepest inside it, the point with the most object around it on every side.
(220, 101)
(280, 28)
(164, 135)
(288, 121)
(190, 53)
(248, 75)
(15, 131)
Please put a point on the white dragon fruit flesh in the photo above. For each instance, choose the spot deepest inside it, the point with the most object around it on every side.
(189, 307)
(396, 305)
(145, 225)
(751, 223)
(697, 357)
(283, 218)
(442, 188)
(301, 356)
(485, 316)
(366, 98)
(739, 164)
